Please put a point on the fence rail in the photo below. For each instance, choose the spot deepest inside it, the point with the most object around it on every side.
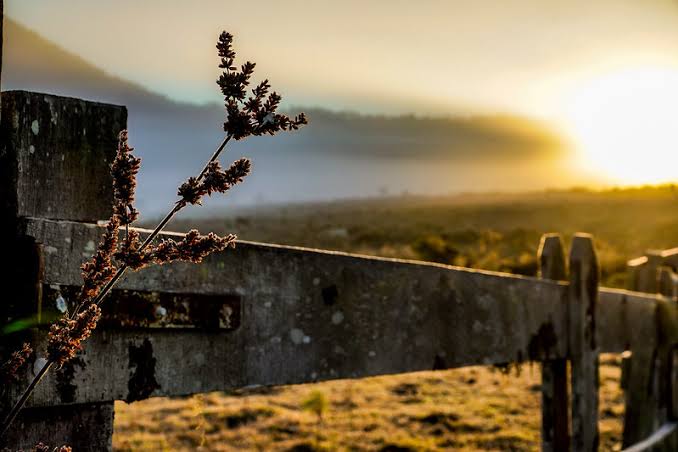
(306, 315)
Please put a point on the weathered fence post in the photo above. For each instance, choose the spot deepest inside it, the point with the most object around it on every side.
(647, 371)
(583, 295)
(555, 428)
(665, 364)
(54, 157)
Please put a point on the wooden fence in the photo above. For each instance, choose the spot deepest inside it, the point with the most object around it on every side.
(650, 377)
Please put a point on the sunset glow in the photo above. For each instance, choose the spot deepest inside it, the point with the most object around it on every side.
(625, 126)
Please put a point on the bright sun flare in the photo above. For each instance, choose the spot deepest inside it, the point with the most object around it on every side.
(625, 126)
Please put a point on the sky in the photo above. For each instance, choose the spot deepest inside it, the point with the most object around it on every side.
(385, 56)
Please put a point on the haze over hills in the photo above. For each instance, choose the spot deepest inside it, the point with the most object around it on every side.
(339, 155)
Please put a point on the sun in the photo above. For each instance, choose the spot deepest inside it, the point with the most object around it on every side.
(625, 126)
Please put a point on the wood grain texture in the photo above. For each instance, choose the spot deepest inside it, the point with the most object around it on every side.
(55, 156)
(309, 315)
(555, 425)
(86, 428)
(584, 351)
(648, 371)
(625, 320)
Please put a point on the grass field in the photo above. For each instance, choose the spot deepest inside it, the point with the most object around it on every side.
(464, 409)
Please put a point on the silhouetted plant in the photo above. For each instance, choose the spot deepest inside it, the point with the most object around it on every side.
(245, 116)
(10, 369)
(42, 447)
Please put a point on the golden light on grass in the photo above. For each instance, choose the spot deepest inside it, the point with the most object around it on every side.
(625, 126)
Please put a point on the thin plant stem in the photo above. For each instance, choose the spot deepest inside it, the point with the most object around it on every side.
(177, 207)
(215, 156)
(106, 289)
(22, 400)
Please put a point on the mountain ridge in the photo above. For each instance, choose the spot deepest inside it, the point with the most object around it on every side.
(73, 76)
(403, 153)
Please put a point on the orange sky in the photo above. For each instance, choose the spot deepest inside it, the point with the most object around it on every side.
(428, 57)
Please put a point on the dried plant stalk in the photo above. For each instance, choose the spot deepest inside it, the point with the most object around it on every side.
(245, 116)
(10, 369)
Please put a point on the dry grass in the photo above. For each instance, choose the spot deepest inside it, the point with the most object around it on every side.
(466, 409)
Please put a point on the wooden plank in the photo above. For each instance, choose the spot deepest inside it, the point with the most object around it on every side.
(630, 321)
(308, 315)
(640, 407)
(555, 428)
(584, 352)
(86, 428)
(55, 154)
(136, 309)
(625, 320)
(649, 383)
(627, 324)
(648, 403)
(55, 157)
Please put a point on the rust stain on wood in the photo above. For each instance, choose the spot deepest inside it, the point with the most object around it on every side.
(132, 309)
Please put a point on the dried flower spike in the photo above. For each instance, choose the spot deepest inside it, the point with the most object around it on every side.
(99, 270)
(131, 253)
(124, 170)
(255, 115)
(9, 370)
(66, 335)
(216, 180)
(194, 247)
(191, 191)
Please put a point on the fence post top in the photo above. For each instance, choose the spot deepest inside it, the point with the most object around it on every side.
(582, 247)
(551, 256)
(550, 244)
(55, 156)
(550, 234)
